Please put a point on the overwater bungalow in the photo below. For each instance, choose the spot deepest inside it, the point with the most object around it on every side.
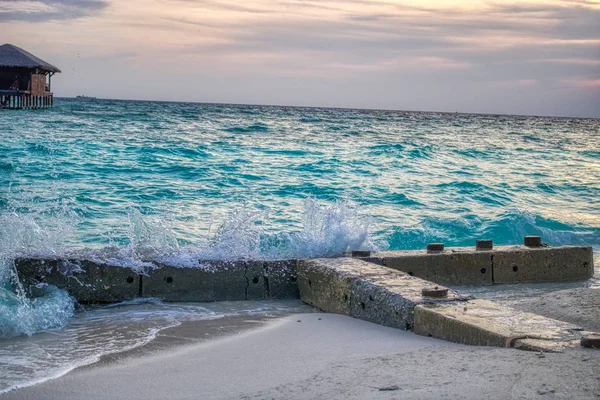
(25, 80)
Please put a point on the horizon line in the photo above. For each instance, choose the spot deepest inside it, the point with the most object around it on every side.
(331, 107)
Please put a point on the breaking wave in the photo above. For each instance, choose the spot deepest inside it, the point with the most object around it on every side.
(327, 230)
(509, 228)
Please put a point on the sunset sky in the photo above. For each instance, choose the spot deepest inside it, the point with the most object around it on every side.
(517, 57)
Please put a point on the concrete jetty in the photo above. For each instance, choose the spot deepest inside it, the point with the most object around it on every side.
(94, 282)
(400, 289)
(502, 264)
(392, 298)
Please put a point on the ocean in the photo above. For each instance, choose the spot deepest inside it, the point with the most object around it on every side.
(182, 181)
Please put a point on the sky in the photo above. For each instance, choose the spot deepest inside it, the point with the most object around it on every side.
(507, 57)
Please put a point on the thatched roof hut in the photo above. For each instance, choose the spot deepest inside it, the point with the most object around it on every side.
(25, 80)
(12, 56)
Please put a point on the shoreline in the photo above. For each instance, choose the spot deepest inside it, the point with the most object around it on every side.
(186, 333)
(317, 355)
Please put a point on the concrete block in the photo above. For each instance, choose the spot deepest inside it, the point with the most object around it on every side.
(390, 301)
(255, 278)
(435, 247)
(361, 253)
(328, 289)
(484, 323)
(218, 281)
(453, 266)
(545, 346)
(281, 279)
(520, 264)
(325, 282)
(363, 290)
(86, 281)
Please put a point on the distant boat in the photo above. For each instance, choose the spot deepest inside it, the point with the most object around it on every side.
(85, 98)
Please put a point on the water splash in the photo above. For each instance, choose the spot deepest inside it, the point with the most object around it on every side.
(46, 233)
(20, 315)
(327, 230)
(331, 230)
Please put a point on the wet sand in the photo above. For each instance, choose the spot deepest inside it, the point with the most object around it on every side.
(322, 356)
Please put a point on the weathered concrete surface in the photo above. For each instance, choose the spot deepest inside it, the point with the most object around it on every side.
(255, 280)
(520, 264)
(363, 290)
(390, 301)
(453, 266)
(86, 281)
(221, 280)
(324, 287)
(345, 285)
(577, 306)
(91, 282)
(281, 279)
(482, 322)
(502, 264)
(325, 282)
(216, 281)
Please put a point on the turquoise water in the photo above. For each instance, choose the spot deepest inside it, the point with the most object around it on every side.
(169, 175)
(179, 181)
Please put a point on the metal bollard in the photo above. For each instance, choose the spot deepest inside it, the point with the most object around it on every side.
(533, 241)
(435, 247)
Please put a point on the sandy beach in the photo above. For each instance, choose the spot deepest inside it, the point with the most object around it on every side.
(311, 356)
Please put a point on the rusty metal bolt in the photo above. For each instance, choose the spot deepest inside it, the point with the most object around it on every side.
(435, 247)
(437, 291)
(533, 241)
(591, 340)
(361, 253)
(484, 244)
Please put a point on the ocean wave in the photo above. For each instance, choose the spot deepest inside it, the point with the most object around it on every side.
(310, 119)
(258, 127)
(21, 315)
(507, 229)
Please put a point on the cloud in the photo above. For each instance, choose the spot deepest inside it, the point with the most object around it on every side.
(532, 46)
(48, 10)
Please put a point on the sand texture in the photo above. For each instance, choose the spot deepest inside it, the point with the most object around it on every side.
(326, 356)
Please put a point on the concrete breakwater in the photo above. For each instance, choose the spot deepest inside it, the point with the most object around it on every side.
(503, 264)
(386, 288)
(93, 282)
(393, 298)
